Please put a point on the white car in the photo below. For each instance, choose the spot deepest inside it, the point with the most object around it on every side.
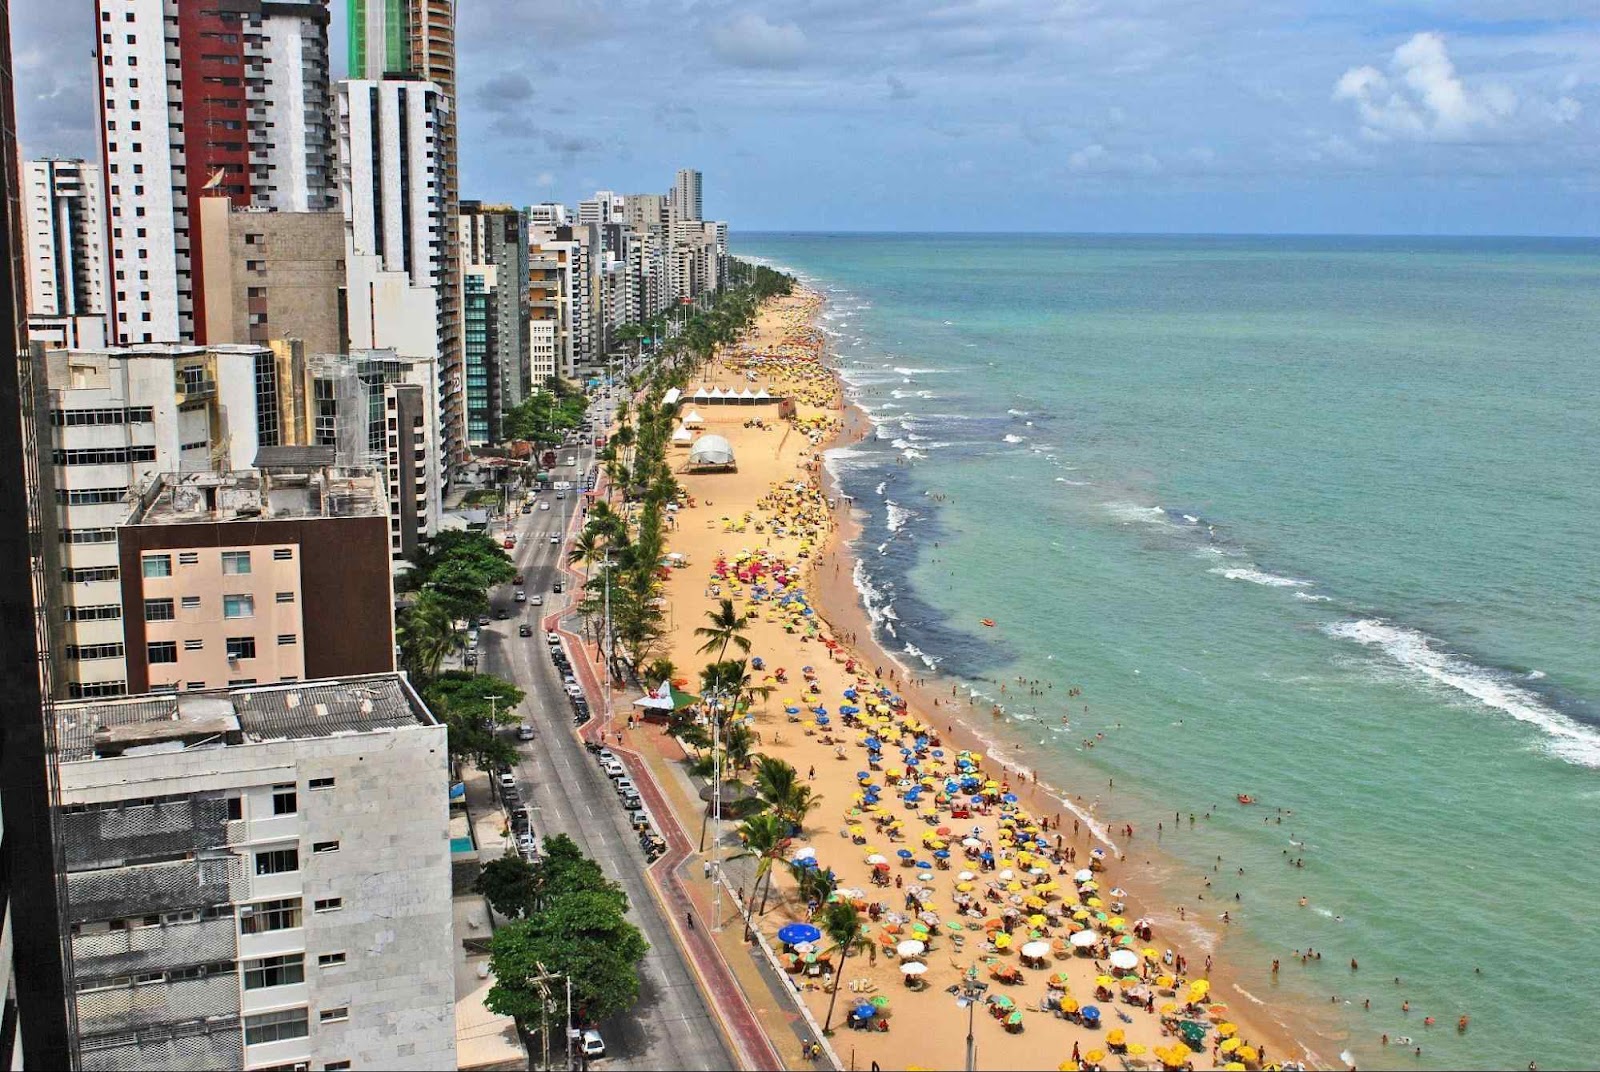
(543, 505)
(524, 732)
(553, 639)
(536, 600)
(555, 539)
(574, 690)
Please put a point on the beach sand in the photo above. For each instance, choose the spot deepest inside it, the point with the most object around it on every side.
(926, 1028)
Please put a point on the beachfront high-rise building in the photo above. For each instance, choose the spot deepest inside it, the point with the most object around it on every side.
(259, 877)
(686, 195)
(62, 210)
(397, 232)
(417, 39)
(494, 268)
(35, 1030)
(202, 101)
(273, 275)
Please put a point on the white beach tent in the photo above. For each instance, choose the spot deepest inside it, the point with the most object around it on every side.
(763, 395)
(682, 437)
(711, 450)
(671, 397)
(693, 419)
(701, 395)
(716, 395)
(747, 395)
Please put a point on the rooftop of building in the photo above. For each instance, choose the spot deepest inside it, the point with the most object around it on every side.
(288, 484)
(229, 718)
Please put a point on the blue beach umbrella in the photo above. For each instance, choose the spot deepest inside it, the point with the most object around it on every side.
(1010, 798)
(904, 854)
(795, 933)
(923, 864)
(791, 710)
(864, 1011)
(941, 854)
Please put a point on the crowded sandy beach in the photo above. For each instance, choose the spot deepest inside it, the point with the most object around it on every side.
(964, 872)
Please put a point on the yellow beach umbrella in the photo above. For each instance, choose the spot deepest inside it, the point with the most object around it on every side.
(1234, 1066)
(1136, 1049)
(1116, 1037)
(1247, 1054)
(1094, 1057)
(1225, 1030)
(1104, 980)
(1002, 941)
(1229, 1045)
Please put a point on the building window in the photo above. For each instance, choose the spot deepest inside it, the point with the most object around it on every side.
(241, 647)
(158, 565)
(237, 606)
(287, 639)
(334, 1016)
(328, 904)
(162, 651)
(159, 610)
(281, 915)
(240, 682)
(285, 597)
(194, 645)
(276, 1026)
(320, 783)
(196, 686)
(275, 971)
(322, 848)
(277, 861)
(284, 800)
(235, 562)
(191, 602)
(94, 651)
(283, 554)
(330, 960)
(188, 558)
(337, 1066)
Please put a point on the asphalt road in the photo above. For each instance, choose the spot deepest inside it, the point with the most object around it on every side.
(670, 1027)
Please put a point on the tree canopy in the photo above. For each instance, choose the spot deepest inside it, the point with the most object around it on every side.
(472, 706)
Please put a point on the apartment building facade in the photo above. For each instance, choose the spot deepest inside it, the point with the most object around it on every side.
(495, 271)
(259, 877)
(233, 579)
(200, 100)
(274, 275)
(63, 211)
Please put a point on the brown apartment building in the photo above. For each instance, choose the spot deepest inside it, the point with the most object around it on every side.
(281, 573)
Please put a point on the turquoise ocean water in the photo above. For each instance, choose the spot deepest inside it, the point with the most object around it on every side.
(1308, 518)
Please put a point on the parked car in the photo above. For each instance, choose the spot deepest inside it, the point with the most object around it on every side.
(613, 768)
(506, 780)
(553, 639)
(524, 732)
(471, 659)
(524, 629)
(501, 613)
(625, 786)
(591, 1045)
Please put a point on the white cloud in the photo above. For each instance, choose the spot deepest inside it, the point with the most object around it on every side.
(1097, 159)
(1422, 98)
(749, 40)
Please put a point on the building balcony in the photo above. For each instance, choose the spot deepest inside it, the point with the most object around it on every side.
(127, 1009)
(151, 949)
(151, 889)
(214, 1043)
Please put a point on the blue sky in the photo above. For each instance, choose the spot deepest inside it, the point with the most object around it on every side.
(1479, 116)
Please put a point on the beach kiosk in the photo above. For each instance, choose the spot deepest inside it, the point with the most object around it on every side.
(682, 437)
(711, 452)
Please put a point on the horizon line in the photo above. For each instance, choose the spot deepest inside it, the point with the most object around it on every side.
(849, 232)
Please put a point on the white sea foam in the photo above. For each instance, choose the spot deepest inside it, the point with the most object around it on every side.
(1075, 483)
(1416, 651)
(1258, 576)
(1015, 439)
(881, 485)
(1019, 413)
(902, 370)
(1312, 597)
(872, 599)
(898, 515)
(927, 660)
(1126, 511)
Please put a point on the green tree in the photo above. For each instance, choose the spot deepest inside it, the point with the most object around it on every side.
(726, 627)
(842, 924)
(427, 634)
(473, 707)
(765, 837)
(508, 884)
(580, 935)
(563, 869)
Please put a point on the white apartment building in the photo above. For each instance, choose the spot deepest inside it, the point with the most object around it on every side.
(685, 196)
(542, 350)
(231, 102)
(62, 208)
(118, 417)
(391, 191)
(259, 878)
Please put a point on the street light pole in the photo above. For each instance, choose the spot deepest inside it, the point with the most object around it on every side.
(716, 805)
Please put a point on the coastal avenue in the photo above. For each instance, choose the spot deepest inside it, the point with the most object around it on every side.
(671, 1026)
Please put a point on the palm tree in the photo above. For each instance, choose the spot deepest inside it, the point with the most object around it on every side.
(766, 838)
(775, 779)
(727, 627)
(798, 805)
(737, 745)
(842, 924)
(427, 635)
(586, 547)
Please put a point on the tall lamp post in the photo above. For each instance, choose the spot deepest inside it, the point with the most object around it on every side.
(971, 990)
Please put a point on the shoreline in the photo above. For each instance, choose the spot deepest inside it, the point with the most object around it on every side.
(840, 602)
(805, 536)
